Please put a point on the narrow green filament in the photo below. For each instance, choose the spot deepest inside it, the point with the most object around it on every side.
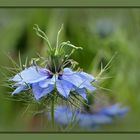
(52, 111)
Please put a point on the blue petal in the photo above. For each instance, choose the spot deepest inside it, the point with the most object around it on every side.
(68, 71)
(64, 87)
(82, 92)
(64, 116)
(88, 86)
(29, 75)
(40, 92)
(80, 80)
(19, 89)
(91, 120)
(74, 79)
(46, 82)
(86, 76)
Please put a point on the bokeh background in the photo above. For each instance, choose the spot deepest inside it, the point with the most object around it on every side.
(102, 32)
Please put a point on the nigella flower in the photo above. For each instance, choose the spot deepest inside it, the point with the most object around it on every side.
(104, 115)
(64, 116)
(114, 110)
(42, 82)
(56, 76)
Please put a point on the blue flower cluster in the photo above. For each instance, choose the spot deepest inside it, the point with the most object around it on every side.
(64, 116)
(42, 82)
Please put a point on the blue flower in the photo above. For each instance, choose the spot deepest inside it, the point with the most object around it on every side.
(65, 115)
(114, 110)
(42, 82)
(92, 120)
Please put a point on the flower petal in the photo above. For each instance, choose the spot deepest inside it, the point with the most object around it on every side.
(19, 89)
(46, 82)
(68, 71)
(73, 79)
(81, 92)
(64, 116)
(78, 79)
(86, 76)
(78, 82)
(40, 92)
(88, 86)
(64, 87)
(29, 75)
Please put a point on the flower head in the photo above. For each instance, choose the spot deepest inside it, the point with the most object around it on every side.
(55, 75)
(42, 82)
(64, 116)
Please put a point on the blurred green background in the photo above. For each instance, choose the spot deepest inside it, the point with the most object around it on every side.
(101, 32)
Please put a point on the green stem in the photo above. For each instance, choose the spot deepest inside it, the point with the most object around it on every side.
(52, 111)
